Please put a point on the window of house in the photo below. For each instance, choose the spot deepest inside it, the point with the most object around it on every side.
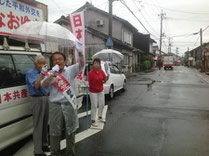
(125, 59)
(127, 38)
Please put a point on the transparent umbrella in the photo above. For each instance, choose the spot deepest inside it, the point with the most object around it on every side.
(109, 55)
(42, 32)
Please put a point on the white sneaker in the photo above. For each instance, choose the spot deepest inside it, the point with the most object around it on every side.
(102, 120)
(94, 124)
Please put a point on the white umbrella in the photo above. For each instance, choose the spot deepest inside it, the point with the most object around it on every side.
(109, 55)
(36, 31)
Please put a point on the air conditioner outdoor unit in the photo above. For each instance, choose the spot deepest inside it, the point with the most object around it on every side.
(99, 23)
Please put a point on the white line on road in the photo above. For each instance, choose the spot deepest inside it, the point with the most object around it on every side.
(89, 132)
(80, 115)
(162, 140)
(27, 150)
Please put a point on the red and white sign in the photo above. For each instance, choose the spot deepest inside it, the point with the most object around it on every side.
(14, 14)
(14, 94)
(65, 87)
(77, 23)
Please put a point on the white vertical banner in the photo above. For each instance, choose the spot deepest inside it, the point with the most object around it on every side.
(77, 23)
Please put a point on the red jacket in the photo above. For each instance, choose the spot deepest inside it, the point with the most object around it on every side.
(96, 79)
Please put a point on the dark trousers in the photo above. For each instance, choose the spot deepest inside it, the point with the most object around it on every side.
(55, 145)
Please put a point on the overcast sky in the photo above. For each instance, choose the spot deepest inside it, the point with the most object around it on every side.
(182, 18)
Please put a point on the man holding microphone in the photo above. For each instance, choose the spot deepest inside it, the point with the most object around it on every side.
(62, 107)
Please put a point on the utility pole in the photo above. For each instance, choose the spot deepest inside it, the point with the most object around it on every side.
(201, 50)
(109, 42)
(161, 30)
(169, 45)
(110, 18)
(177, 50)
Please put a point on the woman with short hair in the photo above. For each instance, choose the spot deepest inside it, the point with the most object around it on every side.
(96, 78)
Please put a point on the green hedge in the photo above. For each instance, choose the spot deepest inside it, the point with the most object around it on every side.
(147, 62)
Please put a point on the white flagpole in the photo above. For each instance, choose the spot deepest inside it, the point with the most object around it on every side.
(87, 90)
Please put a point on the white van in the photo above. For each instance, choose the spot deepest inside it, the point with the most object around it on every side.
(15, 111)
(15, 114)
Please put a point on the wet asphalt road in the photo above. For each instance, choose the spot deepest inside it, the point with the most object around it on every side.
(167, 118)
(162, 113)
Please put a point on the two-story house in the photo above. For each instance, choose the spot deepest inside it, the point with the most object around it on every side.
(122, 35)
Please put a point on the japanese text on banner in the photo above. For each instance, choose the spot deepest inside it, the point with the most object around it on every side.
(77, 21)
(14, 13)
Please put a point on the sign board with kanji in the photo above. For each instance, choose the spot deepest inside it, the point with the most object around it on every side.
(14, 13)
(77, 23)
(78, 28)
(13, 95)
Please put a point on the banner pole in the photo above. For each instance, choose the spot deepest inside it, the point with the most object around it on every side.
(87, 90)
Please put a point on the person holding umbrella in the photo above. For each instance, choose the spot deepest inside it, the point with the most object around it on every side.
(62, 111)
(96, 78)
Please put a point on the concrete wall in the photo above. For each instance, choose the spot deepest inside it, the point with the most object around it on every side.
(94, 44)
(117, 27)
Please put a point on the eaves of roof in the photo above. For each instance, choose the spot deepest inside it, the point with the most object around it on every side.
(204, 44)
(88, 6)
(116, 41)
(105, 37)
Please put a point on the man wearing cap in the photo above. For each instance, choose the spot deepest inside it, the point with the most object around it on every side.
(39, 103)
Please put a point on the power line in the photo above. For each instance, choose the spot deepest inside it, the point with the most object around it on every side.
(197, 40)
(184, 35)
(124, 3)
(144, 17)
(206, 28)
(191, 34)
(186, 12)
(151, 8)
(57, 5)
(184, 19)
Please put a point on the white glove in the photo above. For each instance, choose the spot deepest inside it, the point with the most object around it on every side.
(79, 46)
(44, 69)
(55, 70)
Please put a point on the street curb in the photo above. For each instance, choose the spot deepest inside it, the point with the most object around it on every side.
(204, 76)
(137, 73)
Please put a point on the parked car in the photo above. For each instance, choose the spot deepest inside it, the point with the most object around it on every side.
(117, 80)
